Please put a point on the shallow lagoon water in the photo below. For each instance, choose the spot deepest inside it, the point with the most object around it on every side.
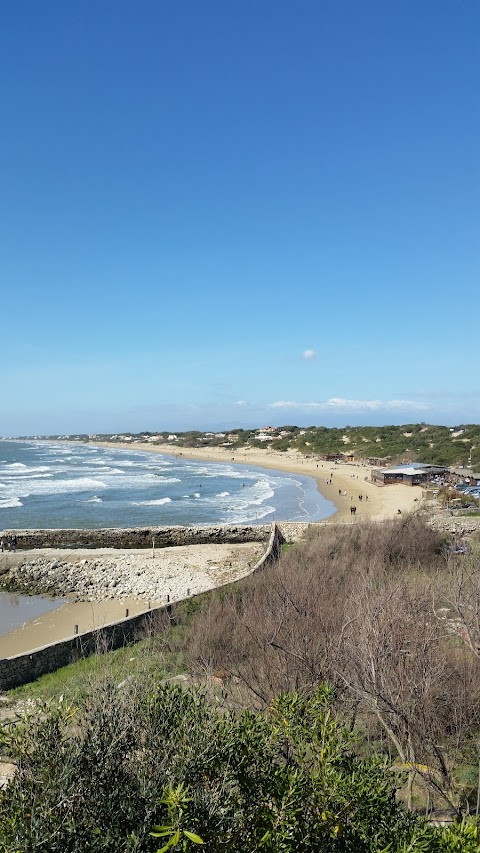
(17, 609)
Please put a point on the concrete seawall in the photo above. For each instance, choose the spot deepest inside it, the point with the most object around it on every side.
(21, 669)
(137, 537)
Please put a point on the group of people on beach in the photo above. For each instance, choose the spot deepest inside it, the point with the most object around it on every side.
(9, 545)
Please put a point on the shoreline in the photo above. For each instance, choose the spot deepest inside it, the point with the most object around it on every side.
(378, 503)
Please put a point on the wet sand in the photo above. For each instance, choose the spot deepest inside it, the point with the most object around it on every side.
(60, 624)
(177, 571)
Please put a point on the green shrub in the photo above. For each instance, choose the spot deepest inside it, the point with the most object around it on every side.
(98, 779)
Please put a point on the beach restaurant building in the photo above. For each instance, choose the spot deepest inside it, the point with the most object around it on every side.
(413, 474)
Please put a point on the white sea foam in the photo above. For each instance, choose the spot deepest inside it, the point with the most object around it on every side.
(27, 469)
(107, 470)
(158, 502)
(10, 503)
(222, 494)
(58, 487)
(247, 515)
(18, 478)
(94, 500)
(129, 480)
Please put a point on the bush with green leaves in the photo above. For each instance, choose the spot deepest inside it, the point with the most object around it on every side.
(161, 768)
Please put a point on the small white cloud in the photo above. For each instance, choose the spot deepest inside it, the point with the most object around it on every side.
(309, 354)
(341, 404)
(372, 405)
(241, 403)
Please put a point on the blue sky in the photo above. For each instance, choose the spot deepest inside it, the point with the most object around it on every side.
(226, 213)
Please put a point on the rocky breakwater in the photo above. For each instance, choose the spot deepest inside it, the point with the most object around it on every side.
(116, 574)
(456, 525)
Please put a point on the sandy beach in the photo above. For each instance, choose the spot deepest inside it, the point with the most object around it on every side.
(341, 483)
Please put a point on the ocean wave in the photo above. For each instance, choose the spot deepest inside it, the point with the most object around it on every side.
(106, 469)
(9, 503)
(247, 516)
(94, 500)
(158, 502)
(222, 494)
(18, 478)
(58, 487)
(129, 480)
(34, 469)
(159, 465)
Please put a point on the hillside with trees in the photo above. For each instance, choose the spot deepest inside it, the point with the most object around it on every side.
(436, 445)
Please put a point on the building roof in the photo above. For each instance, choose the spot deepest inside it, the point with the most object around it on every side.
(419, 465)
(411, 470)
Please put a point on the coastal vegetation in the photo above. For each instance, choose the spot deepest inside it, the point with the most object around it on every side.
(328, 703)
(157, 769)
(434, 444)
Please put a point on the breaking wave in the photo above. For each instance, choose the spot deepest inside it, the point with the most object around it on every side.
(158, 502)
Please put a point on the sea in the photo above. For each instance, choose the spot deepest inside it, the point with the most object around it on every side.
(46, 484)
